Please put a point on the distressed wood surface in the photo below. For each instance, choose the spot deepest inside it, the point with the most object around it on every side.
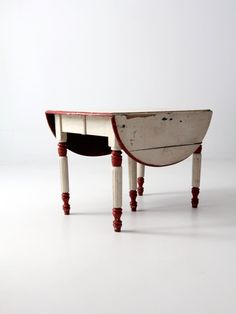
(157, 138)
(161, 138)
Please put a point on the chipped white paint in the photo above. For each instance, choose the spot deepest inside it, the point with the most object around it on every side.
(196, 170)
(155, 138)
(165, 156)
(132, 165)
(140, 170)
(63, 164)
(165, 137)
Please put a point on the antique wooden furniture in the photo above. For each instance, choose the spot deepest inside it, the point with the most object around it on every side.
(158, 138)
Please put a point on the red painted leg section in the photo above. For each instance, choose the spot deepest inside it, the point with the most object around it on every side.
(140, 182)
(62, 149)
(66, 206)
(117, 223)
(133, 203)
(195, 200)
(116, 158)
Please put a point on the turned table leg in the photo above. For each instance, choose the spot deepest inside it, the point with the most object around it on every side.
(63, 164)
(132, 183)
(196, 175)
(140, 180)
(116, 159)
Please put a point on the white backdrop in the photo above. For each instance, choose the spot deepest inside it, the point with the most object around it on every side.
(114, 55)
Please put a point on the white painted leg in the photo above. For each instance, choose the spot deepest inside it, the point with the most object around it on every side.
(140, 180)
(63, 164)
(141, 170)
(132, 183)
(196, 176)
(117, 188)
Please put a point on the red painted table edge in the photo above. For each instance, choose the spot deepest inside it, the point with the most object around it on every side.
(79, 113)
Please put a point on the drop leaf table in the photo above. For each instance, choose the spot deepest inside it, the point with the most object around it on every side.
(152, 138)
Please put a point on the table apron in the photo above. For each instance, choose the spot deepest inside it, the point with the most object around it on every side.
(87, 125)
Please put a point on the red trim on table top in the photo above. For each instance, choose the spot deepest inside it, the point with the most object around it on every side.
(79, 113)
(132, 114)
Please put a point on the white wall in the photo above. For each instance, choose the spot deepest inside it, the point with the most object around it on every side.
(114, 55)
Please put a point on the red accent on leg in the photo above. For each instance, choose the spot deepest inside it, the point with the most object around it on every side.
(116, 158)
(198, 150)
(62, 149)
(195, 200)
(66, 206)
(133, 203)
(117, 223)
(140, 182)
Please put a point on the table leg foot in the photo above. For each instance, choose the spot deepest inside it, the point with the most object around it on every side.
(140, 188)
(117, 223)
(66, 206)
(195, 200)
(133, 203)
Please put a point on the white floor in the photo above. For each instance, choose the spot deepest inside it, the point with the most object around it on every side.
(168, 259)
